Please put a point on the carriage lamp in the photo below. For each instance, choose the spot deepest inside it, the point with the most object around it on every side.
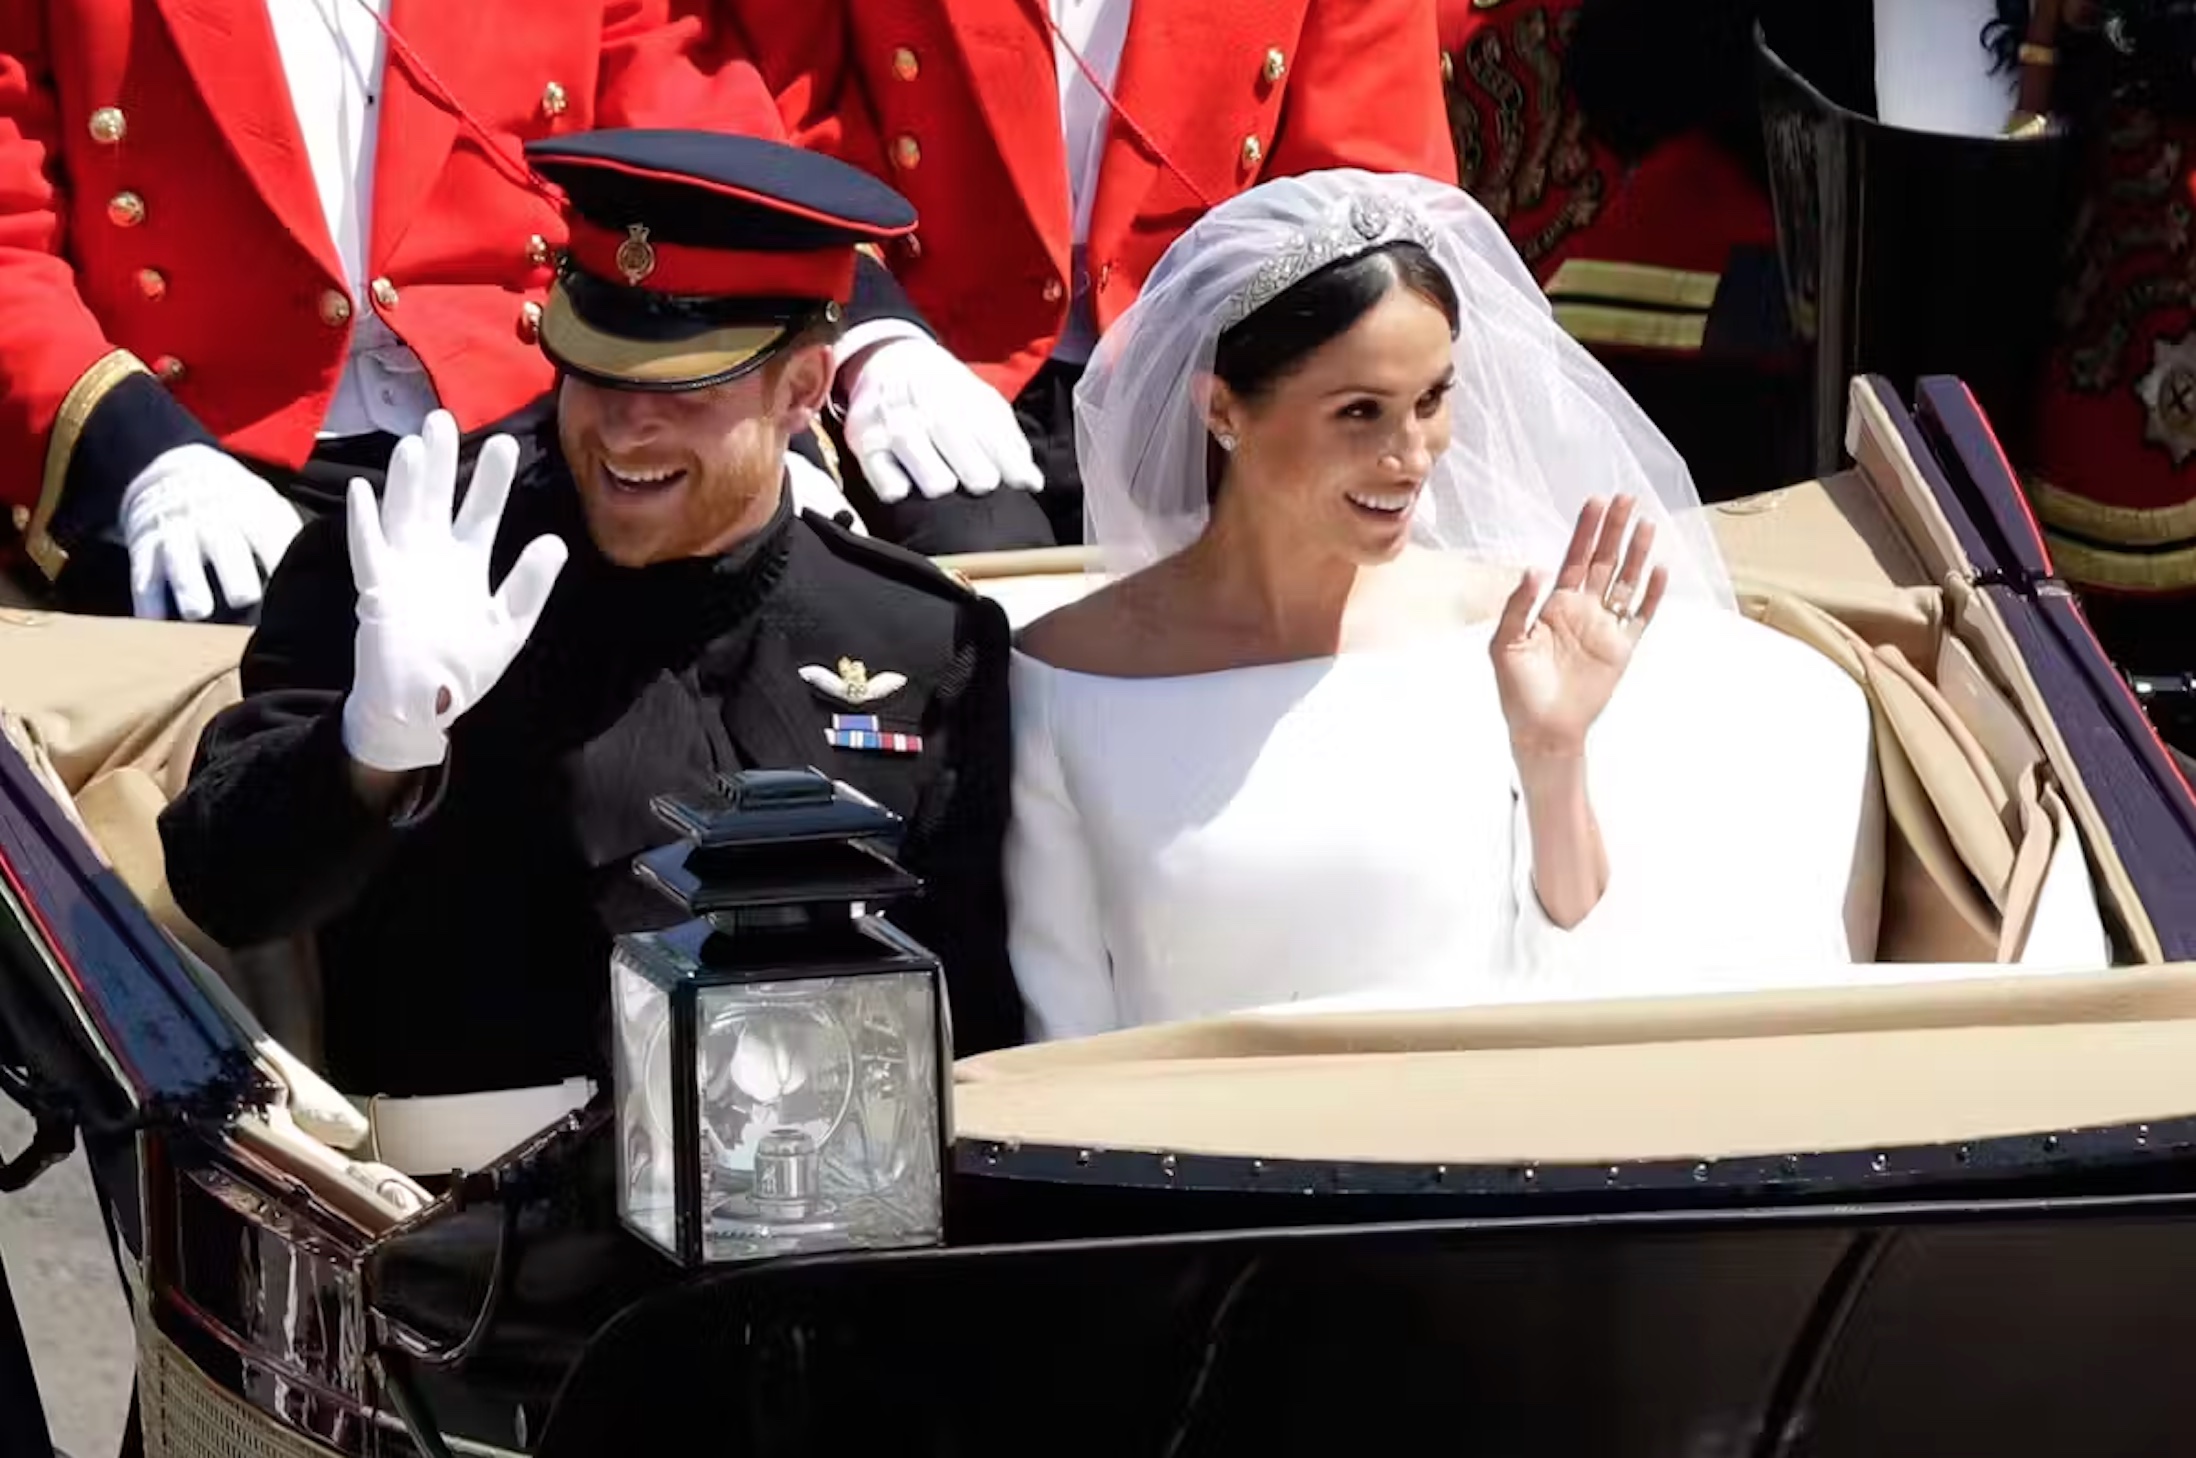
(780, 1056)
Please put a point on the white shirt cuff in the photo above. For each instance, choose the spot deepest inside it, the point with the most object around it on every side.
(866, 336)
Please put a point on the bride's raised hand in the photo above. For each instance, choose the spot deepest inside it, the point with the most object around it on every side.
(1556, 673)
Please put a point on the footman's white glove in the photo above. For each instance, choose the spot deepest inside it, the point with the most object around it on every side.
(920, 420)
(432, 639)
(196, 507)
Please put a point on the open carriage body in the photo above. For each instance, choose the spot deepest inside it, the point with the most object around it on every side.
(1949, 1207)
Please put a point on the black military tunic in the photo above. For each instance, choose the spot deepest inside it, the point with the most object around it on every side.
(466, 947)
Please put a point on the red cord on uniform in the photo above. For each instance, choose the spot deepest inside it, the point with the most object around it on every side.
(1105, 94)
(425, 78)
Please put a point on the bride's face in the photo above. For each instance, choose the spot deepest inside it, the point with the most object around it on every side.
(1337, 450)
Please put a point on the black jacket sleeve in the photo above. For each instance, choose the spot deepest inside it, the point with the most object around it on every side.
(136, 422)
(957, 836)
(268, 838)
(878, 295)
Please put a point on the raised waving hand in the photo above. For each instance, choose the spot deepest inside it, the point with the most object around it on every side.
(433, 637)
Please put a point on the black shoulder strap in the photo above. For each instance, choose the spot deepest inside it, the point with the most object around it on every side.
(887, 560)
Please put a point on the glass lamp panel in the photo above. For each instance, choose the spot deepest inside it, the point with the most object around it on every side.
(819, 1114)
(647, 1148)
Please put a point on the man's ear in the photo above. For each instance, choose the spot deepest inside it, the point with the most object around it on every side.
(804, 384)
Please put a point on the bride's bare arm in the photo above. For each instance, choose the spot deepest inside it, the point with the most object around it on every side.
(1570, 865)
(1555, 673)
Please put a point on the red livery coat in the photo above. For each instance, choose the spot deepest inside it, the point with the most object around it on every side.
(956, 103)
(156, 198)
(2114, 483)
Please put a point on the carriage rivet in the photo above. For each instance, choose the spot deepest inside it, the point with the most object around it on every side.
(1700, 1172)
(1166, 1165)
(1082, 1157)
(1880, 1163)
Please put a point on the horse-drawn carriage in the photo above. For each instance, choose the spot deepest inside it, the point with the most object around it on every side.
(1947, 1207)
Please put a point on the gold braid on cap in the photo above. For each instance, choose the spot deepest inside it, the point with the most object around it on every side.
(1371, 223)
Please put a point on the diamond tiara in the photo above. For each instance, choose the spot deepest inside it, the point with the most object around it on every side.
(1371, 223)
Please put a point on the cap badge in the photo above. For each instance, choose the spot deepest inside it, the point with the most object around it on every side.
(853, 683)
(636, 255)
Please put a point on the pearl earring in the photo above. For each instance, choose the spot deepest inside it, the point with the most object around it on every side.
(1227, 440)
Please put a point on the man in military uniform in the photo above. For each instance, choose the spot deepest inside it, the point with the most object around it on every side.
(445, 779)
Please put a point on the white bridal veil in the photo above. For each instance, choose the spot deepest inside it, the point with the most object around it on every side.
(1538, 425)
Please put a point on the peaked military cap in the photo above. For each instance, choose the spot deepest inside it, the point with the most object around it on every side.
(695, 256)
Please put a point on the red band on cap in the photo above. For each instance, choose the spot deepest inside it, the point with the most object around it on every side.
(633, 258)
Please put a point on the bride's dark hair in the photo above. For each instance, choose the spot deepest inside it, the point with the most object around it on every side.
(1320, 307)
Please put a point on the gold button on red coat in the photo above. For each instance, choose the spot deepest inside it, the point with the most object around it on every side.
(152, 284)
(125, 210)
(335, 308)
(1253, 151)
(530, 321)
(1054, 291)
(537, 251)
(108, 125)
(554, 100)
(905, 65)
(908, 153)
(1105, 276)
(384, 292)
(1277, 66)
(169, 368)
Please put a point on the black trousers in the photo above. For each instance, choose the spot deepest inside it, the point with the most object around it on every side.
(1007, 518)
(97, 577)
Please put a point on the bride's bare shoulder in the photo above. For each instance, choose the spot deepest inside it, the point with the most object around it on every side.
(1111, 631)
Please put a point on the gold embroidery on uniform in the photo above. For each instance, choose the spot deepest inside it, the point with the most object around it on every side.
(68, 427)
(2100, 521)
(1531, 46)
(1537, 156)
(2142, 172)
(1483, 58)
(1471, 151)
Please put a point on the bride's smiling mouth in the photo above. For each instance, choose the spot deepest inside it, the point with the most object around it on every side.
(1383, 504)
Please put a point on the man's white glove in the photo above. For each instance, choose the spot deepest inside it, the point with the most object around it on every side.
(919, 420)
(432, 639)
(194, 507)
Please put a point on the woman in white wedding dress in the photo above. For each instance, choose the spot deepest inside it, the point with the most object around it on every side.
(1421, 671)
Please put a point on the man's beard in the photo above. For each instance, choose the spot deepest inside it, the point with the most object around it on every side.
(705, 511)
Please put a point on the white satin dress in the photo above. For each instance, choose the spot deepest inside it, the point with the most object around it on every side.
(1189, 846)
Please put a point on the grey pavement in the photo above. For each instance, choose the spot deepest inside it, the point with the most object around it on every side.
(71, 1299)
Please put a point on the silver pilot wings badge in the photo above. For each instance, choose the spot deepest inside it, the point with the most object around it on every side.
(853, 683)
